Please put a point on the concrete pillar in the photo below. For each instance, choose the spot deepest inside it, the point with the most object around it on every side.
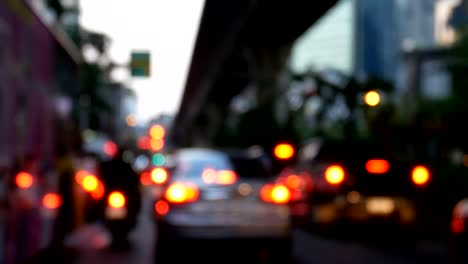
(269, 69)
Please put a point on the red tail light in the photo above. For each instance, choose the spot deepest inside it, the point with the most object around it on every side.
(226, 177)
(457, 225)
(98, 193)
(80, 175)
(145, 179)
(116, 200)
(294, 181)
(90, 183)
(159, 175)
(377, 166)
(24, 180)
(52, 201)
(284, 151)
(335, 174)
(420, 175)
(182, 193)
(161, 208)
(279, 194)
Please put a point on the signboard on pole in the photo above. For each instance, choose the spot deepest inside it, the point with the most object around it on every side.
(140, 64)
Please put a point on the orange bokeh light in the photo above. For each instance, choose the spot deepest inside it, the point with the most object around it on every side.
(284, 151)
(161, 208)
(145, 178)
(98, 193)
(116, 200)
(90, 183)
(377, 166)
(420, 175)
(156, 144)
(80, 175)
(226, 177)
(280, 194)
(159, 175)
(294, 181)
(182, 192)
(275, 193)
(157, 132)
(52, 201)
(334, 174)
(24, 180)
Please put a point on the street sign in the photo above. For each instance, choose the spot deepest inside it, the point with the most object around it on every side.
(140, 64)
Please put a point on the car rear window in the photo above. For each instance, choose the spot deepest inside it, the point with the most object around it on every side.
(193, 164)
(247, 167)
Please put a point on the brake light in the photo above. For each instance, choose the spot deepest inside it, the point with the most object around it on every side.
(335, 174)
(98, 193)
(226, 177)
(145, 178)
(24, 180)
(223, 177)
(90, 183)
(182, 193)
(52, 201)
(279, 194)
(457, 225)
(420, 175)
(284, 151)
(116, 200)
(294, 181)
(161, 208)
(377, 166)
(159, 175)
(80, 175)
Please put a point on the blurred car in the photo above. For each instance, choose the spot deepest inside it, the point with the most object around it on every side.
(222, 196)
(358, 182)
(459, 233)
(301, 186)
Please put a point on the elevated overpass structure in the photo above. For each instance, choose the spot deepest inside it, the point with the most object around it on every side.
(239, 43)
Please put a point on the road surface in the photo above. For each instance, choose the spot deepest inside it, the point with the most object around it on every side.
(308, 248)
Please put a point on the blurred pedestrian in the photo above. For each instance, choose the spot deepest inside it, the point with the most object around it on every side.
(65, 221)
(23, 224)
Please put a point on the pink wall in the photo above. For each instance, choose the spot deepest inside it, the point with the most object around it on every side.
(27, 67)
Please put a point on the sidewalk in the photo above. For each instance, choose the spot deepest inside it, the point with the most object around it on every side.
(89, 237)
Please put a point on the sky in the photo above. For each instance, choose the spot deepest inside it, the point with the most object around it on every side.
(329, 43)
(166, 28)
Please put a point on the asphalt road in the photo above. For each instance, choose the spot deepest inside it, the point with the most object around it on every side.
(92, 242)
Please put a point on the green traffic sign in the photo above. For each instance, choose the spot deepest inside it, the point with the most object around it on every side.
(140, 64)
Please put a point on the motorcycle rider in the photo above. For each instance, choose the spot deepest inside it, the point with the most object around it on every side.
(117, 174)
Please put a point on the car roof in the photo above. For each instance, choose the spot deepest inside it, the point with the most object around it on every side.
(199, 152)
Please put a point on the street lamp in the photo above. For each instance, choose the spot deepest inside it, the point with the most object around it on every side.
(372, 98)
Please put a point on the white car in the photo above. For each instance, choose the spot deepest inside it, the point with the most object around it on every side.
(222, 196)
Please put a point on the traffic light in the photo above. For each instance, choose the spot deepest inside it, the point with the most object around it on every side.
(157, 132)
(158, 159)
